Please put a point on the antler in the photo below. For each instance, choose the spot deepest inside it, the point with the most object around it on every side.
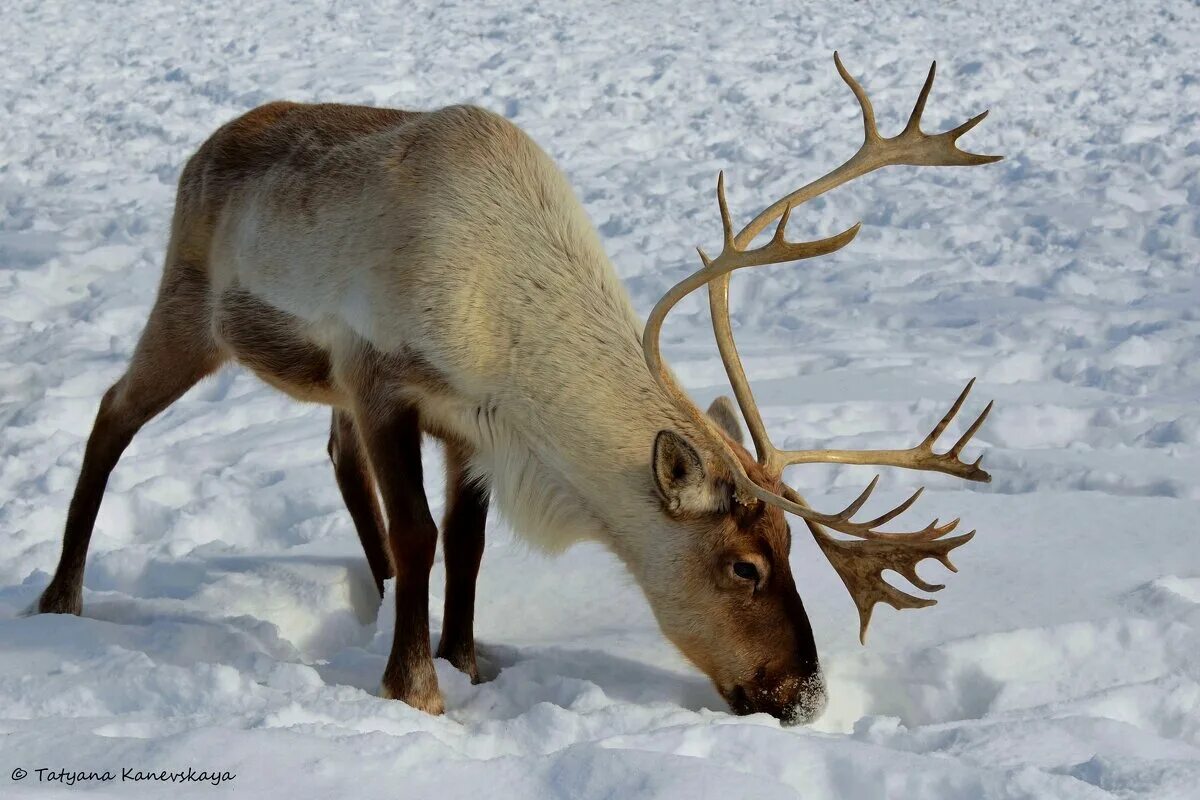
(859, 563)
(919, 457)
(911, 146)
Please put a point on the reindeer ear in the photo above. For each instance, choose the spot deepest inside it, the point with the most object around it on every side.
(679, 474)
(723, 413)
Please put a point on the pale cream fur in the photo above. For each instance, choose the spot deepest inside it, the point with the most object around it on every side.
(455, 238)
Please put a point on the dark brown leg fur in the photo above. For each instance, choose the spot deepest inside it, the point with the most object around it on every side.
(462, 543)
(353, 475)
(175, 351)
(392, 439)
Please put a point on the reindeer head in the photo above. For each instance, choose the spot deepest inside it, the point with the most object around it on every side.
(735, 610)
(726, 596)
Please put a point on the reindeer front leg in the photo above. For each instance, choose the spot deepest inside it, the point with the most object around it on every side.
(462, 543)
(392, 438)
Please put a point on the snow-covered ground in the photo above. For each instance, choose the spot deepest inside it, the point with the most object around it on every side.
(230, 622)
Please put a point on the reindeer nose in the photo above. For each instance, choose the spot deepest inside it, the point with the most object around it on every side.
(791, 700)
(808, 704)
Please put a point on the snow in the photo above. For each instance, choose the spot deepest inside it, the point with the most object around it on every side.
(230, 622)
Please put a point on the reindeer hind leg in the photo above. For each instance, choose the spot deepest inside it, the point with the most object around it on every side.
(353, 475)
(175, 351)
(391, 437)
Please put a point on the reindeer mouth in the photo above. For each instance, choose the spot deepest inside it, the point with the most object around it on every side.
(793, 702)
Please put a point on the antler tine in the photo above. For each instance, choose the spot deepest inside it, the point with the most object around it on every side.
(781, 228)
(887, 517)
(870, 132)
(953, 155)
(970, 432)
(726, 221)
(961, 130)
(944, 421)
(914, 119)
(852, 509)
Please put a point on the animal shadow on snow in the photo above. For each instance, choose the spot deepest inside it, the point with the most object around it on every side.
(515, 680)
(154, 611)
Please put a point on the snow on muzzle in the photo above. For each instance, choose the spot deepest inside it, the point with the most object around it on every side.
(792, 699)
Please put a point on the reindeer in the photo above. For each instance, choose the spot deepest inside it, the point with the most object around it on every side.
(433, 273)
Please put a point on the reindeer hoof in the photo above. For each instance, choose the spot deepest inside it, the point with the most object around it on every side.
(421, 693)
(462, 658)
(429, 703)
(57, 601)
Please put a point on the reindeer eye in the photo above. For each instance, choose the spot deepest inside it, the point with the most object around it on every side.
(746, 571)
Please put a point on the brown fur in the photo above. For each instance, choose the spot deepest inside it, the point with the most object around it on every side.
(462, 543)
(174, 352)
(283, 134)
(353, 474)
(269, 343)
